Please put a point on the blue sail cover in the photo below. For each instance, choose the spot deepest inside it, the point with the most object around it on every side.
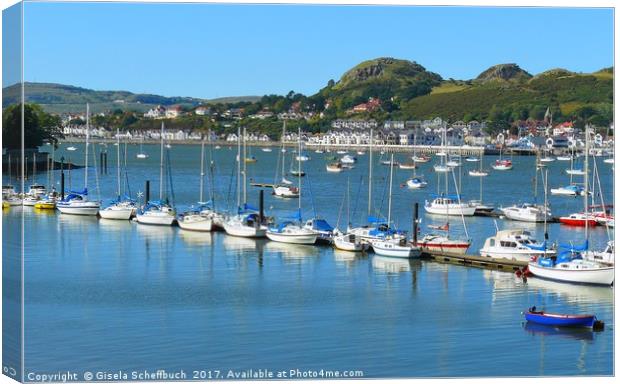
(575, 248)
(246, 208)
(82, 192)
(542, 247)
(322, 225)
(296, 215)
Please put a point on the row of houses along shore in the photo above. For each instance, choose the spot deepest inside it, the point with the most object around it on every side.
(349, 132)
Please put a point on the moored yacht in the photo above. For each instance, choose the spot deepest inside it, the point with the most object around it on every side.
(532, 213)
(448, 205)
(517, 244)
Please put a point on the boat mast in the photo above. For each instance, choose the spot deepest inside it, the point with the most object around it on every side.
(282, 150)
(238, 167)
(585, 178)
(390, 195)
(118, 164)
(202, 170)
(370, 173)
(86, 149)
(245, 167)
(34, 167)
(161, 163)
(299, 170)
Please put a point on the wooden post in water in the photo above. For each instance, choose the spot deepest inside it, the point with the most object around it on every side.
(62, 185)
(147, 192)
(415, 223)
(261, 205)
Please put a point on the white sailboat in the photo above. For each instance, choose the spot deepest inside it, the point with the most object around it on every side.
(293, 232)
(531, 212)
(415, 182)
(246, 223)
(394, 247)
(158, 212)
(570, 266)
(284, 188)
(119, 209)
(141, 154)
(377, 228)
(199, 219)
(77, 203)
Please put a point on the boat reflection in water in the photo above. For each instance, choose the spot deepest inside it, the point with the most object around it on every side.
(111, 225)
(195, 238)
(236, 245)
(576, 333)
(387, 264)
(572, 293)
(348, 258)
(292, 252)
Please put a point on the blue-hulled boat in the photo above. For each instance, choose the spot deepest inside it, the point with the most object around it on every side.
(560, 320)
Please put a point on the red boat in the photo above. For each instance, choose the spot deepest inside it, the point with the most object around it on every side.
(579, 220)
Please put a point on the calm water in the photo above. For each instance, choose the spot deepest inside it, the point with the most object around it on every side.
(107, 296)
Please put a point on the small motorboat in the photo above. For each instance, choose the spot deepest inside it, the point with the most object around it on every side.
(472, 159)
(575, 172)
(71, 148)
(562, 320)
(348, 159)
(421, 159)
(251, 159)
(407, 166)
(266, 149)
(319, 151)
(547, 160)
(608, 161)
(334, 167)
(502, 165)
(416, 183)
(564, 158)
(389, 162)
(475, 173)
(142, 155)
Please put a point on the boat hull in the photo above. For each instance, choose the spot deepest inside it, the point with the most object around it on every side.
(451, 211)
(449, 246)
(116, 214)
(350, 246)
(599, 276)
(559, 320)
(578, 222)
(203, 224)
(90, 210)
(387, 248)
(244, 231)
(161, 219)
(309, 238)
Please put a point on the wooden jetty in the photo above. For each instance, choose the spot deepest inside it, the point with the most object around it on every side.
(506, 265)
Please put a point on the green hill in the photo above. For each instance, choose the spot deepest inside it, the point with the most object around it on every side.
(492, 96)
(59, 98)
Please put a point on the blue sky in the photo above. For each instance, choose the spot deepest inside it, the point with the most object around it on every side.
(208, 51)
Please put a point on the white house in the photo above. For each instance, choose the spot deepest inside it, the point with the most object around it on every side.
(156, 113)
(174, 112)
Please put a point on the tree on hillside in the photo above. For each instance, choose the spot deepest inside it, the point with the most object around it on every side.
(38, 127)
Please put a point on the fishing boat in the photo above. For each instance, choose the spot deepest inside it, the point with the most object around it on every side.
(560, 320)
(120, 209)
(516, 244)
(77, 202)
(350, 242)
(579, 220)
(158, 212)
(532, 213)
(334, 167)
